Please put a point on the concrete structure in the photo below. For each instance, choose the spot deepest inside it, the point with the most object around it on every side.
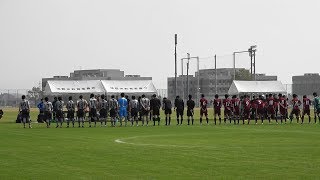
(95, 74)
(306, 84)
(207, 82)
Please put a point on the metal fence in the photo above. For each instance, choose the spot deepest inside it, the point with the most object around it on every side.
(11, 97)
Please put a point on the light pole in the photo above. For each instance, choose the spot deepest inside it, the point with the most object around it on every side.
(250, 50)
(215, 72)
(175, 63)
(198, 71)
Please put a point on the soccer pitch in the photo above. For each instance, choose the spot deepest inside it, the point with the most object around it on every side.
(287, 151)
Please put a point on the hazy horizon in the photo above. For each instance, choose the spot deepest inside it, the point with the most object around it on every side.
(46, 38)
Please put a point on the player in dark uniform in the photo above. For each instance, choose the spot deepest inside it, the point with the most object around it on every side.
(271, 109)
(235, 104)
(54, 109)
(167, 107)
(71, 109)
(282, 108)
(179, 108)
(306, 108)
(190, 109)
(93, 103)
(203, 109)
(217, 103)
(81, 109)
(134, 110)
(59, 112)
(316, 104)
(103, 110)
(253, 107)
(246, 103)
(47, 111)
(260, 109)
(295, 108)
(227, 108)
(128, 118)
(145, 109)
(113, 105)
(24, 110)
(155, 105)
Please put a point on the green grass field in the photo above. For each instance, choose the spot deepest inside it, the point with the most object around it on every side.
(288, 151)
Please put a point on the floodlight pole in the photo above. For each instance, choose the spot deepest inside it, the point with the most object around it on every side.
(234, 62)
(215, 72)
(198, 69)
(175, 63)
(188, 74)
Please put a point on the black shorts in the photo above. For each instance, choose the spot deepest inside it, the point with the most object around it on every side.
(70, 114)
(25, 114)
(103, 113)
(156, 111)
(190, 112)
(144, 112)
(167, 111)
(93, 113)
(113, 113)
(47, 115)
(59, 114)
(134, 112)
(179, 112)
(80, 113)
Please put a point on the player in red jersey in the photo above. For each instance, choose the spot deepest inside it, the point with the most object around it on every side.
(235, 104)
(227, 108)
(271, 108)
(306, 108)
(253, 107)
(295, 108)
(217, 103)
(203, 109)
(282, 108)
(246, 109)
(260, 108)
(276, 105)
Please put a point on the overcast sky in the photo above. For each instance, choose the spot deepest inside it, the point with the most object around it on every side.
(40, 38)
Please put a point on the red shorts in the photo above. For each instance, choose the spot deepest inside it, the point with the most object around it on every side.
(283, 111)
(306, 111)
(217, 111)
(227, 112)
(246, 113)
(236, 112)
(261, 111)
(203, 112)
(296, 112)
(271, 110)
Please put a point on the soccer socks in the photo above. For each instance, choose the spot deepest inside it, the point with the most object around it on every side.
(181, 120)
(166, 121)
(219, 120)
(200, 121)
(225, 120)
(215, 121)
(188, 121)
(192, 120)
(207, 119)
(158, 119)
(169, 121)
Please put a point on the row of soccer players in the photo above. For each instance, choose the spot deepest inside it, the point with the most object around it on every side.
(270, 107)
(143, 108)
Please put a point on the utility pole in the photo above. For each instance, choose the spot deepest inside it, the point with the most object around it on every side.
(175, 64)
(234, 66)
(254, 64)
(215, 72)
(198, 81)
(188, 74)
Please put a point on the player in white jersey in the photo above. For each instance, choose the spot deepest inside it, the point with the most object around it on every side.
(93, 103)
(113, 105)
(81, 106)
(24, 110)
(59, 112)
(47, 111)
(103, 110)
(145, 109)
(71, 109)
(133, 108)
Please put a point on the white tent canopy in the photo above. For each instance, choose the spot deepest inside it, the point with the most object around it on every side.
(259, 87)
(57, 87)
(129, 86)
(73, 87)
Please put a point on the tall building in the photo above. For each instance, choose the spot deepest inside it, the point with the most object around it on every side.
(207, 83)
(96, 74)
(306, 84)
